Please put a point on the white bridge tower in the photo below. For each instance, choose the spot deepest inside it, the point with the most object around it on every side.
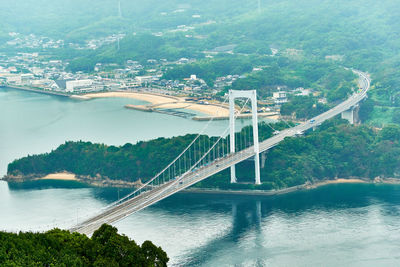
(252, 95)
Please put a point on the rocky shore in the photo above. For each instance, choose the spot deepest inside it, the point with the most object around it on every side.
(99, 181)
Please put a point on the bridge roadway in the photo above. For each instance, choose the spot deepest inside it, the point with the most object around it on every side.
(156, 193)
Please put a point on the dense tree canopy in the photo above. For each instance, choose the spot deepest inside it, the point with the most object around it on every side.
(128, 162)
(210, 69)
(303, 107)
(336, 149)
(62, 248)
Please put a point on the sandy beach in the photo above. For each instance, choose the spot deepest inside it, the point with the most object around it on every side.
(165, 102)
(153, 99)
(60, 176)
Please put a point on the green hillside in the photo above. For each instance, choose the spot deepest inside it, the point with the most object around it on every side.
(327, 153)
(361, 34)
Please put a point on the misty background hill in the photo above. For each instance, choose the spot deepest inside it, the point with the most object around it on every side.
(73, 19)
(357, 29)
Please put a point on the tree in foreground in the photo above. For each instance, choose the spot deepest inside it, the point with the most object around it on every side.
(61, 248)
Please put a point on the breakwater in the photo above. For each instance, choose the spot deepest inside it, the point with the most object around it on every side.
(173, 112)
(47, 92)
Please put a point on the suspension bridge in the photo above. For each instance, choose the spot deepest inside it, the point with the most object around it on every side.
(204, 157)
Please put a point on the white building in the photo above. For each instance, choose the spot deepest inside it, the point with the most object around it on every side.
(14, 79)
(37, 71)
(26, 78)
(280, 97)
(42, 83)
(144, 79)
(71, 86)
(302, 92)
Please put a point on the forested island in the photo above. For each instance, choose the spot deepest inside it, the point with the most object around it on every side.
(61, 248)
(335, 150)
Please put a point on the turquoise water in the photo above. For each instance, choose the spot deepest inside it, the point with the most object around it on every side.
(337, 225)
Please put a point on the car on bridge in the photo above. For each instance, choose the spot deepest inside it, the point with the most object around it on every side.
(312, 121)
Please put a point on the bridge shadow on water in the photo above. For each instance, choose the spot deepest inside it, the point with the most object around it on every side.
(331, 197)
(251, 213)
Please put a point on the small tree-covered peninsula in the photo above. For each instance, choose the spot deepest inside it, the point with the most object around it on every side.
(335, 150)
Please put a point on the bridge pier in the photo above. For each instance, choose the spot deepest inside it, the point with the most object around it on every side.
(232, 133)
(263, 159)
(252, 95)
(351, 115)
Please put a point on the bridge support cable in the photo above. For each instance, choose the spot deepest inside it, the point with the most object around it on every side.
(148, 183)
(161, 194)
(197, 163)
(209, 154)
(227, 145)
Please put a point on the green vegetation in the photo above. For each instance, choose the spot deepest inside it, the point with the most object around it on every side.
(128, 162)
(62, 248)
(332, 80)
(362, 34)
(79, 20)
(210, 69)
(335, 150)
(140, 47)
(321, 75)
(303, 107)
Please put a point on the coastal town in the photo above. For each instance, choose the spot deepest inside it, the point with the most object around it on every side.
(36, 71)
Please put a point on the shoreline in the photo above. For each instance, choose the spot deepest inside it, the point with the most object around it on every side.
(157, 103)
(40, 91)
(154, 100)
(102, 183)
(288, 190)
(61, 176)
(161, 101)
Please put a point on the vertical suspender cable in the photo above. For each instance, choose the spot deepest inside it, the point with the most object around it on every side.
(184, 163)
